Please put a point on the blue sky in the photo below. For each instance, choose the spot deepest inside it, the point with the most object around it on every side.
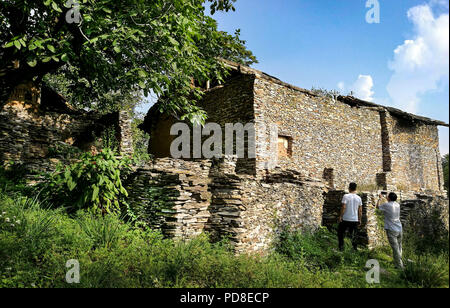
(329, 44)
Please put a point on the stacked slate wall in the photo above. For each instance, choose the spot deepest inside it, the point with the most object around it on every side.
(415, 157)
(31, 129)
(328, 136)
(186, 198)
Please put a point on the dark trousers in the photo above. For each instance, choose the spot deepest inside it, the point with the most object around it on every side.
(353, 228)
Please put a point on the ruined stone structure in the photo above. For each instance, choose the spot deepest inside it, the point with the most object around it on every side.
(186, 198)
(34, 122)
(298, 177)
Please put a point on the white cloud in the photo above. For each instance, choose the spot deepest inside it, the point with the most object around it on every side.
(362, 88)
(420, 64)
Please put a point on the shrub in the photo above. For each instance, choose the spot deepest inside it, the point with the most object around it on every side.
(427, 272)
(104, 232)
(94, 183)
(13, 178)
(64, 151)
(316, 250)
(32, 223)
(140, 140)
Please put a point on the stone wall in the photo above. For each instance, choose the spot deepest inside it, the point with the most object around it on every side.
(342, 141)
(231, 103)
(426, 215)
(281, 200)
(30, 129)
(172, 196)
(185, 198)
(415, 158)
(339, 140)
(328, 136)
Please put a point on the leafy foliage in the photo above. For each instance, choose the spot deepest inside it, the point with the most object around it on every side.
(109, 139)
(94, 183)
(140, 140)
(13, 178)
(117, 48)
(325, 93)
(63, 150)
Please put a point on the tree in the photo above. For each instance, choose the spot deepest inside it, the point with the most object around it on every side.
(117, 47)
(445, 161)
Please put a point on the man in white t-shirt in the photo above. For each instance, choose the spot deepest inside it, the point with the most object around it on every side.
(393, 226)
(350, 218)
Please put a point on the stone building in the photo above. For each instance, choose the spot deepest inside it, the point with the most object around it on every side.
(337, 139)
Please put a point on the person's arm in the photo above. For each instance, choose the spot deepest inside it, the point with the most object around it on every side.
(381, 200)
(344, 207)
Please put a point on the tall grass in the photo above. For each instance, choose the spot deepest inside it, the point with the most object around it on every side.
(427, 272)
(112, 253)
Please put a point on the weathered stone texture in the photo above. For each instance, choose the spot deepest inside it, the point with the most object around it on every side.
(339, 139)
(125, 132)
(415, 157)
(209, 196)
(280, 201)
(426, 215)
(307, 146)
(29, 128)
(172, 196)
(327, 134)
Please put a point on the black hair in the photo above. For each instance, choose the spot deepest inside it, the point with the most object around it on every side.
(352, 187)
(392, 196)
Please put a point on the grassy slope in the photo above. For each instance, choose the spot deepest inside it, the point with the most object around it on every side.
(35, 244)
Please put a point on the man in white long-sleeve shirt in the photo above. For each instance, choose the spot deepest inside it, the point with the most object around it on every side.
(393, 226)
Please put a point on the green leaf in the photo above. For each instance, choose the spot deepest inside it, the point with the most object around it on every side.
(173, 41)
(51, 48)
(32, 63)
(56, 7)
(17, 44)
(71, 185)
(65, 58)
(95, 192)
